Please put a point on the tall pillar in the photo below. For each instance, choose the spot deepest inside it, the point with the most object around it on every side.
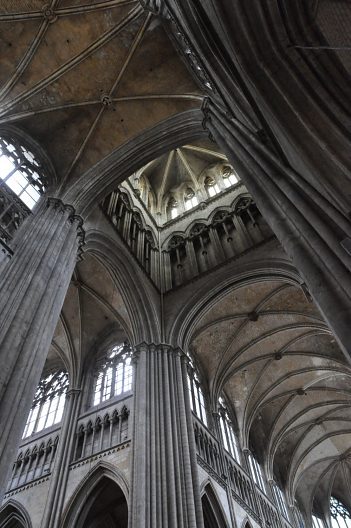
(314, 232)
(33, 286)
(165, 489)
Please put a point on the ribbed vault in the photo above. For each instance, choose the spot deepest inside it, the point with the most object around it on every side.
(265, 345)
(108, 75)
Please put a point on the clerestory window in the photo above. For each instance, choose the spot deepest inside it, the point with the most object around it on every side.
(280, 500)
(230, 441)
(340, 515)
(317, 522)
(114, 374)
(256, 472)
(48, 404)
(173, 208)
(229, 176)
(197, 400)
(211, 187)
(190, 199)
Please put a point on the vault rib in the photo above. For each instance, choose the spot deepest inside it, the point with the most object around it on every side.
(131, 52)
(104, 39)
(65, 11)
(27, 57)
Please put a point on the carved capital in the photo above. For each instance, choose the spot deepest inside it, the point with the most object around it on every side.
(73, 218)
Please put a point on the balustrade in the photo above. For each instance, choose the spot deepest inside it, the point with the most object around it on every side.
(244, 491)
(101, 430)
(207, 447)
(229, 234)
(34, 461)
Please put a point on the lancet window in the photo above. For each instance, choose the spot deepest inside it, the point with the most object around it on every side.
(280, 500)
(340, 515)
(48, 404)
(114, 374)
(317, 522)
(197, 400)
(256, 472)
(229, 438)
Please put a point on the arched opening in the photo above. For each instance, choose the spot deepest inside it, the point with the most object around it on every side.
(212, 512)
(105, 506)
(13, 515)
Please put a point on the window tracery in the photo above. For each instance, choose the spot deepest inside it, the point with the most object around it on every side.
(197, 400)
(229, 438)
(229, 176)
(114, 375)
(190, 199)
(21, 172)
(211, 187)
(340, 515)
(48, 404)
(21, 184)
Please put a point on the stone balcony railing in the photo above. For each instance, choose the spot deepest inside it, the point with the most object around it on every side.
(228, 472)
(35, 458)
(102, 428)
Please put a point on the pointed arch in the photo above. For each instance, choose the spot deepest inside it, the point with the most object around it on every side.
(87, 490)
(214, 516)
(96, 183)
(14, 515)
(246, 523)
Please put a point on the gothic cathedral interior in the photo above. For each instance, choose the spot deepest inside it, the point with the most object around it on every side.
(175, 257)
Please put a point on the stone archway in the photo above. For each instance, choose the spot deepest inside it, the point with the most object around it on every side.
(13, 515)
(212, 511)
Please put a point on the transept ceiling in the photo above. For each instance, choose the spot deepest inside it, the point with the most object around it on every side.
(83, 78)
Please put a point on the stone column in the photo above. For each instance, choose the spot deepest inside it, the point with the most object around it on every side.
(59, 473)
(313, 232)
(33, 286)
(165, 488)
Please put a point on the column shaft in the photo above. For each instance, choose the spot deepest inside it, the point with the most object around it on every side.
(33, 286)
(309, 227)
(165, 490)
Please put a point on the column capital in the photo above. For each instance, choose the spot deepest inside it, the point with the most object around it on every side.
(73, 218)
(73, 392)
(153, 347)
